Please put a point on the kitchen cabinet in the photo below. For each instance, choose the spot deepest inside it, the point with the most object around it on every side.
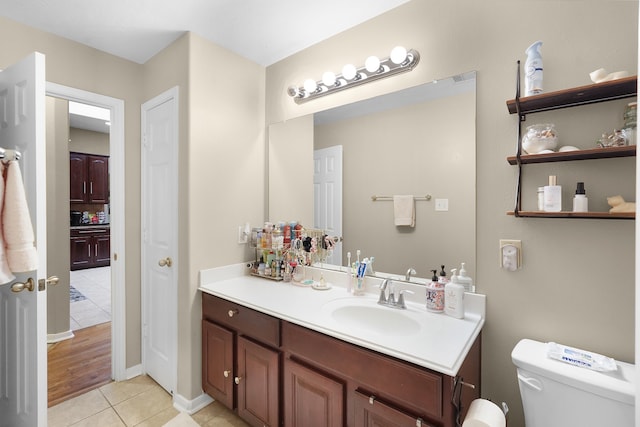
(241, 360)
(599, 92)
(324, 381)
(90, 247)
(89, 178)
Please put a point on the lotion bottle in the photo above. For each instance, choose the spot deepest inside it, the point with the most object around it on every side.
(533, 70)
(465, 280)
(454, 297)
(580, 201)
(552, 195)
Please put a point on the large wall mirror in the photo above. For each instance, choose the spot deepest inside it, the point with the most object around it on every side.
(419, 141)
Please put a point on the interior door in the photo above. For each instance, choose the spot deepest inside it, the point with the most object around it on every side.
(23, 315)
(327, 194)
(159, 245)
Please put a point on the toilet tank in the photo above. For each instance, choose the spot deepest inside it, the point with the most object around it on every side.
(555, 393)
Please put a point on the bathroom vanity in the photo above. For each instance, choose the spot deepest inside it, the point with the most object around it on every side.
(281, 354)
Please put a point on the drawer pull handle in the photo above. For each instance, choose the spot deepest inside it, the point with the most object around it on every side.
(237, 380)
(226, 374)
(232, 313)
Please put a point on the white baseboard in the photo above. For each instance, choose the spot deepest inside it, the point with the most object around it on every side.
(53, 338)
(133, 371)
(191, 406)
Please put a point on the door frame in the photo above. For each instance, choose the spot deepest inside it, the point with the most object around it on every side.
(117, 210)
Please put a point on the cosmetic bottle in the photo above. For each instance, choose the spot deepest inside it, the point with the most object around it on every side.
(454, 297)
(580, 201)
(552, 195)
(533, 70)
(443, 276)
(465, 280)
(435, 295)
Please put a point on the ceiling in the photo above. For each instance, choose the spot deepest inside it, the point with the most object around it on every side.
(260, 30)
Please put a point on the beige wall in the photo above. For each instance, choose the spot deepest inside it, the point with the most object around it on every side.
(572, 268)
(58, 256)
(78, 66)
(421, 149)
(90, 142)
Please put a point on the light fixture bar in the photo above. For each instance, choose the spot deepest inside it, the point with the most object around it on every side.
(367, 73)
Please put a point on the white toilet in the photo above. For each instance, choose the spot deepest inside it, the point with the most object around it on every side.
(555, 393)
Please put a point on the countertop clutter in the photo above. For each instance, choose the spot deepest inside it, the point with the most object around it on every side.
(431, 340)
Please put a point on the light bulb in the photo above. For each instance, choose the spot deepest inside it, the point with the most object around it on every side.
(398, 55)
(349, 71)
(372, 64)
(329, 78)
(310, 85)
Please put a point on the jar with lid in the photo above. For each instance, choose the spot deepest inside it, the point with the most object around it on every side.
(630, 120)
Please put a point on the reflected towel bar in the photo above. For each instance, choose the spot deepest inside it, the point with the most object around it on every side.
(8, 155)
(376, 198)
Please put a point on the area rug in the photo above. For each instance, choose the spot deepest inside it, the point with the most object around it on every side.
(182, 420)
(75, 295)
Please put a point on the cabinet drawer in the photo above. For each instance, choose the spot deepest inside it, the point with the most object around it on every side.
(413, 387)
(244, 320)
(372, 412)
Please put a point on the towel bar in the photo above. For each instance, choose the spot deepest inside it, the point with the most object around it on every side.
(376, 198)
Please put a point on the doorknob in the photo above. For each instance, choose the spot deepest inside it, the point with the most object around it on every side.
(51, 281)
(165, 262)
(19, 287)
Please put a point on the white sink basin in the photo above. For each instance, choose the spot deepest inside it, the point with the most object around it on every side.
(372, 317)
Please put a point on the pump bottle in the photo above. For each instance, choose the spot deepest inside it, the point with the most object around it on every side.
(533, 70)
(454, 297)
(580, 201)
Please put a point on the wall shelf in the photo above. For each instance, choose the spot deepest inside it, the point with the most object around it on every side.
(594, 153)
(565, 214)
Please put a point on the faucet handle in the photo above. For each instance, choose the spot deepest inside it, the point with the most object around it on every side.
(400, 302)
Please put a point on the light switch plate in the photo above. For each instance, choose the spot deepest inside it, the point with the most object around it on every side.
(442, 204)
(510, 254)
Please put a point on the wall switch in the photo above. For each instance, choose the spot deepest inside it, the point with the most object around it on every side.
(510, 254)
(243, 233)
(442, 204)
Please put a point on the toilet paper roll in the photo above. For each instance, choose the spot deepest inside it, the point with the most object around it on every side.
(484, 413)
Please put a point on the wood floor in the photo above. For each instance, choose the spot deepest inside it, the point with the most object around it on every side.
(79, 364)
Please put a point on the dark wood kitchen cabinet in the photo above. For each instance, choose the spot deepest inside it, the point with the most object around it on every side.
(88, 178)
(241, 360)
(324, 382)
(90, 247)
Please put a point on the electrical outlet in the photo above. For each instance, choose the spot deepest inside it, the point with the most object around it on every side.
(510, 254)
(243, 233)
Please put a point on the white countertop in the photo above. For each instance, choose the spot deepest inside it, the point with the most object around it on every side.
(441, 343)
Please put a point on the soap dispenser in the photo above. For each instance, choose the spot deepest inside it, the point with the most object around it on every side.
(435, 294)
(454, 297)
(465, 280)
(580, 201)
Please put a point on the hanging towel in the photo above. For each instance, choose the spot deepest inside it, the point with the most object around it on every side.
(16, 223)
(5, 272)
(404, 210)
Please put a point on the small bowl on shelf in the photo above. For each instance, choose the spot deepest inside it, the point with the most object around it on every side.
(539, 138)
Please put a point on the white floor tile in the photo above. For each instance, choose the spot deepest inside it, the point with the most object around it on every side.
(95, 285)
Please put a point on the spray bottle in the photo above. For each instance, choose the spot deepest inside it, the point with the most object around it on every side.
(533, 70)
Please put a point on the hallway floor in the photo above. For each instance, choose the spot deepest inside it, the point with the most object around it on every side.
(139, 402)
(91, 303)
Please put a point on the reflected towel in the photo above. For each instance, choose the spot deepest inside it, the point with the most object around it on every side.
(404, 211)
(16, 223)
(5, 272)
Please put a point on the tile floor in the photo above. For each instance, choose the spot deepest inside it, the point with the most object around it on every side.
(139, 402)
(95, 285)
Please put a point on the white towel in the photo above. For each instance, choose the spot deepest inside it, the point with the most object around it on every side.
(404, 211)
(16, 223)
(5, 272)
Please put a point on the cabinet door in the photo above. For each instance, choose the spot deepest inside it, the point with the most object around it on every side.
(217, 363)
(78, 179)
(373, 413)
(257, 380)
(80, 252)
(102, 249)
(311, 399)
(98, 179)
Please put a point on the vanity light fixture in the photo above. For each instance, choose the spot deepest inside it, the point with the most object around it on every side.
(399, 61)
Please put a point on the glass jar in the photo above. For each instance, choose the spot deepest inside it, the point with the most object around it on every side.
(630, 121)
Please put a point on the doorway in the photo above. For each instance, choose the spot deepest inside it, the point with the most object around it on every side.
(115, 212)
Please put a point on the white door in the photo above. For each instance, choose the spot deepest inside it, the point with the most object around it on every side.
(159, 238)
(23, 315)
(327, 195)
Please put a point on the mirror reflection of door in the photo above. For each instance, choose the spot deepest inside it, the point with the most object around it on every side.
(79, 320)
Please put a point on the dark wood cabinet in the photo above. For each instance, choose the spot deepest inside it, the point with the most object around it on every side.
(324, 381)
(88, 178)
(90, 247)
(241, 360)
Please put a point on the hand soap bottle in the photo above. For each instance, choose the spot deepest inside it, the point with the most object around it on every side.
(465, 280)
(435, 295)
(580, 201)
(552, 195)
(454, 297)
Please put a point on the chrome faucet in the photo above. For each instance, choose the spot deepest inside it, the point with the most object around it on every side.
(407, 277)
(389, 299)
